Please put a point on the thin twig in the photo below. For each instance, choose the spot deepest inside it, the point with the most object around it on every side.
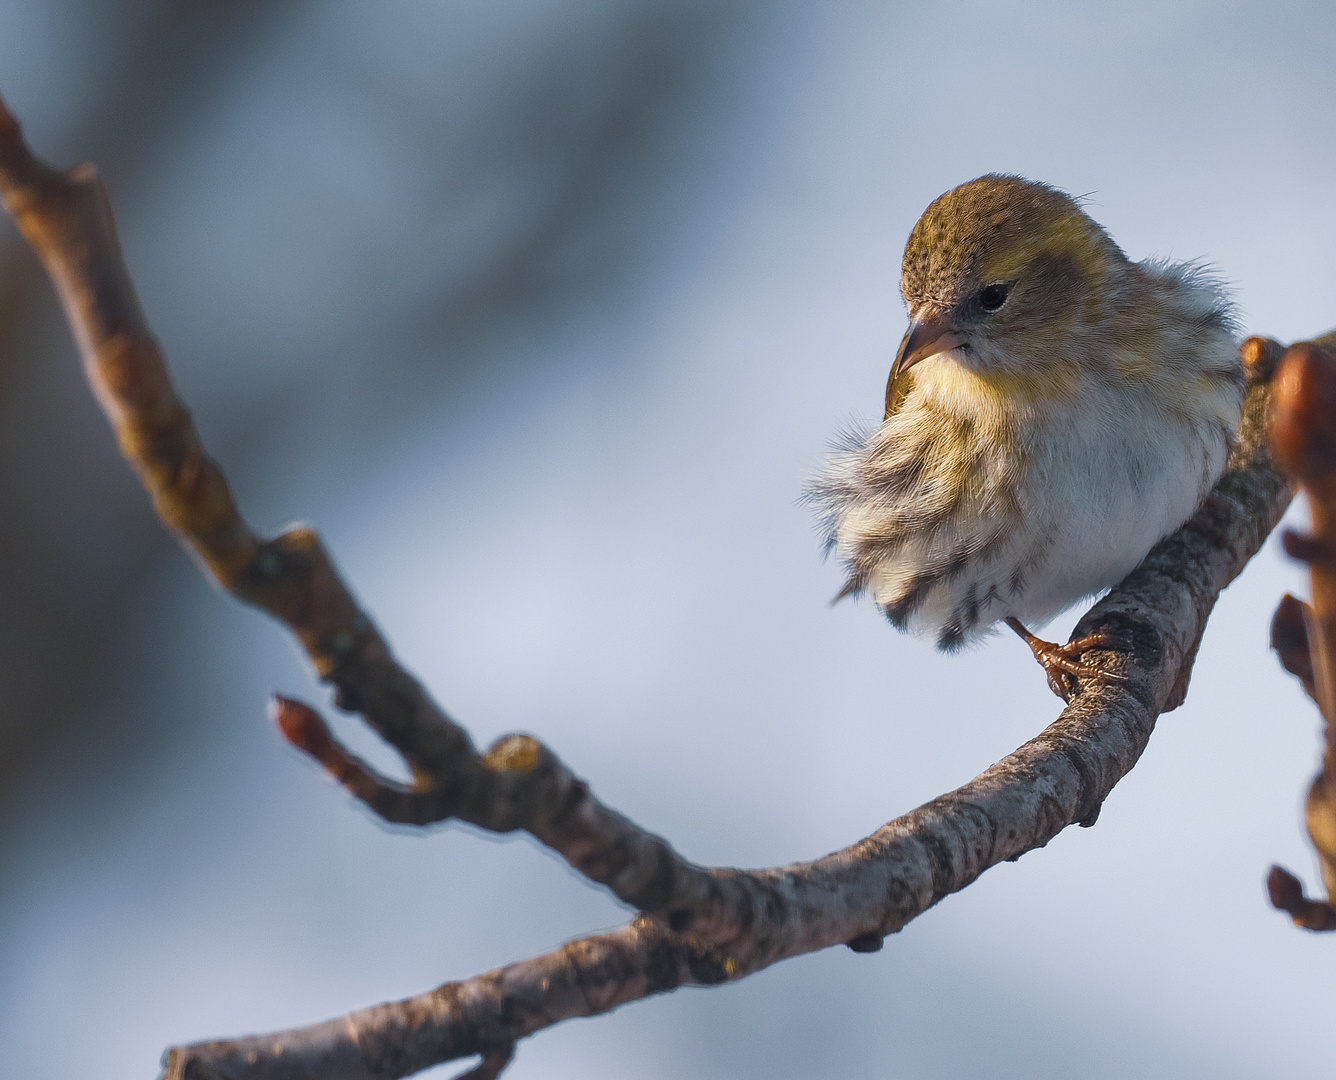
(697, 925)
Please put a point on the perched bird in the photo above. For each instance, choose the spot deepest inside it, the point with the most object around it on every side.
(1054, 410)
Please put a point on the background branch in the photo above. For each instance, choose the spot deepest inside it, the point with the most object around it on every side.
(699, 926)
(1303, 435)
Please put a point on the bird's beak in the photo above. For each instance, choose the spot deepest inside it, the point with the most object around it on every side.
(929, 334)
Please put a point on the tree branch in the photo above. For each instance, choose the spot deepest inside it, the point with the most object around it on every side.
(696, 925)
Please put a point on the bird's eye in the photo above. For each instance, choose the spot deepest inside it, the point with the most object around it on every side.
(994, 296)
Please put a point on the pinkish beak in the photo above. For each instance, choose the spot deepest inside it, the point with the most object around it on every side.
(927, 336)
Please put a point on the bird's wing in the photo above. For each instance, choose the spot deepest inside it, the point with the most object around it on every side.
(898, 387)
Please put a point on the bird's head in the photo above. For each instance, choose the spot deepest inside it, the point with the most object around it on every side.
(1009, 276)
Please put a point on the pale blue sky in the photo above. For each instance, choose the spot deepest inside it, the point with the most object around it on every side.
(588, 528)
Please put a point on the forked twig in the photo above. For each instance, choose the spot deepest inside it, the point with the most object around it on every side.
(696, 925)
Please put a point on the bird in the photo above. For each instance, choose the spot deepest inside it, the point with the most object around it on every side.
(1054, 410)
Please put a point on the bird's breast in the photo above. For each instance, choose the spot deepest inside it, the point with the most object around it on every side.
(974, 501)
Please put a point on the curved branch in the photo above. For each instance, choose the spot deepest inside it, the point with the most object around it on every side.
(697, 925)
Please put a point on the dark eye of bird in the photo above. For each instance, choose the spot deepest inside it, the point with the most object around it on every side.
(994, 296)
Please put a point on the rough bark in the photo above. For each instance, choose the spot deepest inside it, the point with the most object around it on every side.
(696, 925)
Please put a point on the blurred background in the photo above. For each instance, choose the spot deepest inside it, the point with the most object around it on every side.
(543, 312)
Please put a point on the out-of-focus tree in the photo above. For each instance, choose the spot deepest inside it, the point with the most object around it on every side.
(519, 192)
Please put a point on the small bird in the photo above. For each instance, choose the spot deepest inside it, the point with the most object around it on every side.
(1053, 411)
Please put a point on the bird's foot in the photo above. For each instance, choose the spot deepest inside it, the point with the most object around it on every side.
(1063, 663)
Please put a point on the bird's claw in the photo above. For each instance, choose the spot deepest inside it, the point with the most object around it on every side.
(1065, 669)
(1063, 663)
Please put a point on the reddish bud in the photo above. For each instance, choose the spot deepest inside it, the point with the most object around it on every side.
(1306, 548)
(1285, 891)
(301, 725)
(1260, 356)
(1289, 637)
(1303, 415)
